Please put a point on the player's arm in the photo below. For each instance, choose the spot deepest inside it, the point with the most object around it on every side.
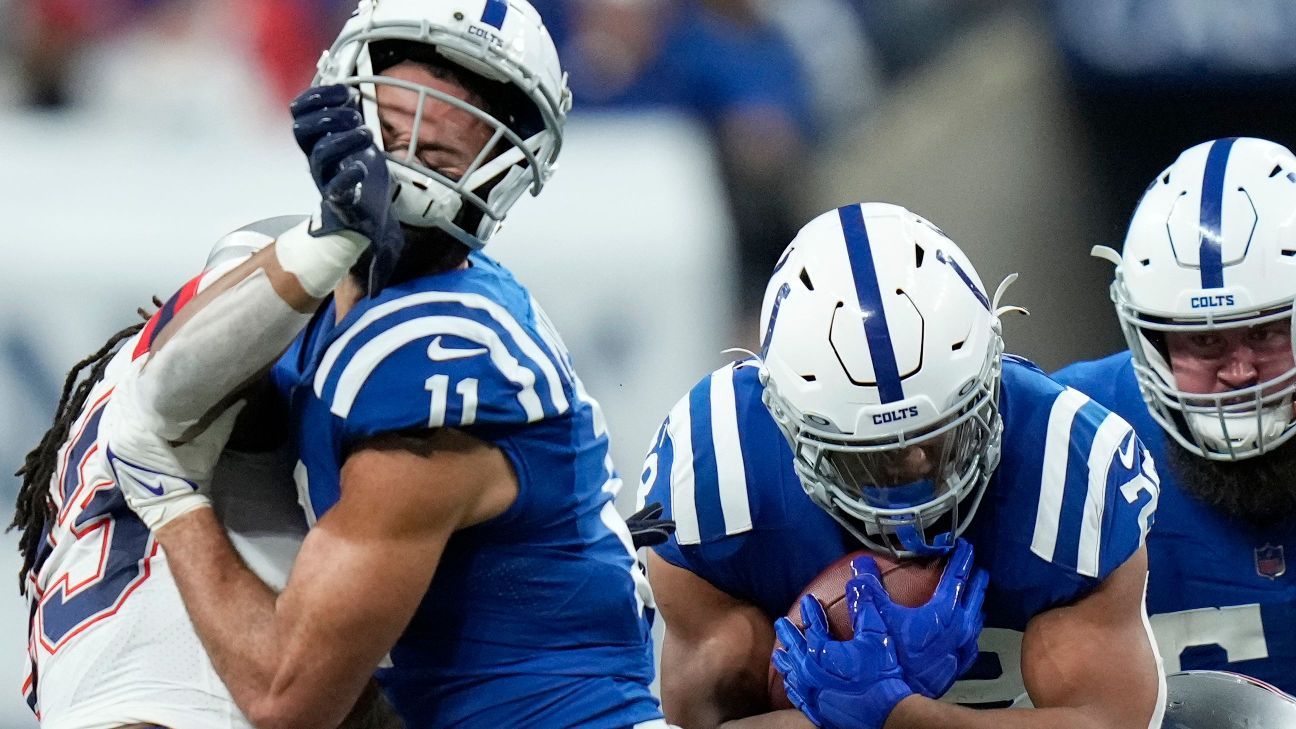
(240, 323)
(715, 659)
(301, 659)
(1088, 665)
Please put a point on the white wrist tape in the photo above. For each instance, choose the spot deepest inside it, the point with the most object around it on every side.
(318, 263)
(226, 343)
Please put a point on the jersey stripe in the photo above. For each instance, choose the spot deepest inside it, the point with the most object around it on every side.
(682, 484)
(553, 342)
(1101, 452)
(369, 356)
(499, 314)
(706, 491)
(731, 472)
(1053, 476)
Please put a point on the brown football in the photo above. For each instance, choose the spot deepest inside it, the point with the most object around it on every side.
(909, 582)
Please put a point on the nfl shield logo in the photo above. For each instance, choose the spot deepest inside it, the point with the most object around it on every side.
(1270, 561)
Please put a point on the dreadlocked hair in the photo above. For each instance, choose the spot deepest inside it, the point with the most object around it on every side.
(34, 508)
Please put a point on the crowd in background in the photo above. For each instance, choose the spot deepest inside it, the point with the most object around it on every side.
(774, 80)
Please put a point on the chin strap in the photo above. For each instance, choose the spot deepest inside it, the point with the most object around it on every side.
(912, 540)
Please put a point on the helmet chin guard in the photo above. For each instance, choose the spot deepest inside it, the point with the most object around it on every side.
(500, 41)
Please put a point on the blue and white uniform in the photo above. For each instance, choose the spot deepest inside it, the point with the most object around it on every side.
(1219, 591)
(535, 618)
(1069, 503)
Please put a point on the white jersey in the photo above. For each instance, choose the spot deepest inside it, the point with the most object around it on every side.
(110, 642)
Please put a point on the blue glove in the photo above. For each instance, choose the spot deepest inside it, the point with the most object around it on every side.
(852, 684)
(935, 643)
(350, 173)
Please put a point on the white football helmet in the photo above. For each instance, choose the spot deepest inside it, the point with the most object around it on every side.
(881, 361)
(1212, 246)
(503, 41)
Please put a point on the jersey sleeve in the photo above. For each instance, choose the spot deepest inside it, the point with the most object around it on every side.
(438, 365)
(715, 465)
(1098, 489)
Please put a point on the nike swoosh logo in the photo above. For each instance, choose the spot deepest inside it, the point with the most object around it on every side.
(1127, 451)
(438, 353)
(151, 481)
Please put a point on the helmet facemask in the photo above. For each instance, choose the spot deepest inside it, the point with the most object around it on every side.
(1224, 426)
(893, 493)
(520, 154)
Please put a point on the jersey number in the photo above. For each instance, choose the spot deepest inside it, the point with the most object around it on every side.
(95, 514)
(439, 386)
(1237, 629)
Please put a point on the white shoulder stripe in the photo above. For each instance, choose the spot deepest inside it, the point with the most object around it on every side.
(682, 485)
(730, 471)
(472, 301)
(552, 340)
(1057, 447)
(1106, 441)
(368, 357)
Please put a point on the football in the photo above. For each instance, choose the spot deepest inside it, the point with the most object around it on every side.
(909, 582)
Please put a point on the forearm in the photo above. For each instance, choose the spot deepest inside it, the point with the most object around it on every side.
(232, 610)
(228, 334)
(238, 325)
(918, 712)
(249, 640)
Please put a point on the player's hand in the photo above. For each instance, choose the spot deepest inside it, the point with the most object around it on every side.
(159, 480)
(852, 684)
(647, 528)
(935, 643)
(350, 172)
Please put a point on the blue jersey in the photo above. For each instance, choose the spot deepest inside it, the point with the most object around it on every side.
(536, 617)
(1068, 504)
(1218, 588)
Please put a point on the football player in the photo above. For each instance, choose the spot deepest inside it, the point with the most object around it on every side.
(1204, 291)
(883, 414)
(109, 641)
(455, 473)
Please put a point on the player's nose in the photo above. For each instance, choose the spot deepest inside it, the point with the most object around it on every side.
(1240, 369)
(911, 464)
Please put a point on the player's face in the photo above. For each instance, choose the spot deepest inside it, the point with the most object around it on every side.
(894, 478)
(1212, 362)
(448, 138)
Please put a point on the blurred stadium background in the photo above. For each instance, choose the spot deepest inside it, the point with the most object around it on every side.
(134, 133)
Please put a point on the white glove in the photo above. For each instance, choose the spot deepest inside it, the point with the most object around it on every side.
(159, 480)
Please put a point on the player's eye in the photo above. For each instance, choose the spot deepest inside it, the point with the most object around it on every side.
(1206, 343)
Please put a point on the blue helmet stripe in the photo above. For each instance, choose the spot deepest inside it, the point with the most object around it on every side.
(1210, 256)
(860, 254)
(940, 255)
(783, 292)
(494, 12)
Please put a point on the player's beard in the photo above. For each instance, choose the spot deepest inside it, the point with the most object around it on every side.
(1260, 490)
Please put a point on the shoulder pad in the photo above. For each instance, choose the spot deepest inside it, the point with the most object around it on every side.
(249, 239)
(711, 455)
(1097, 487)
(437, 358)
